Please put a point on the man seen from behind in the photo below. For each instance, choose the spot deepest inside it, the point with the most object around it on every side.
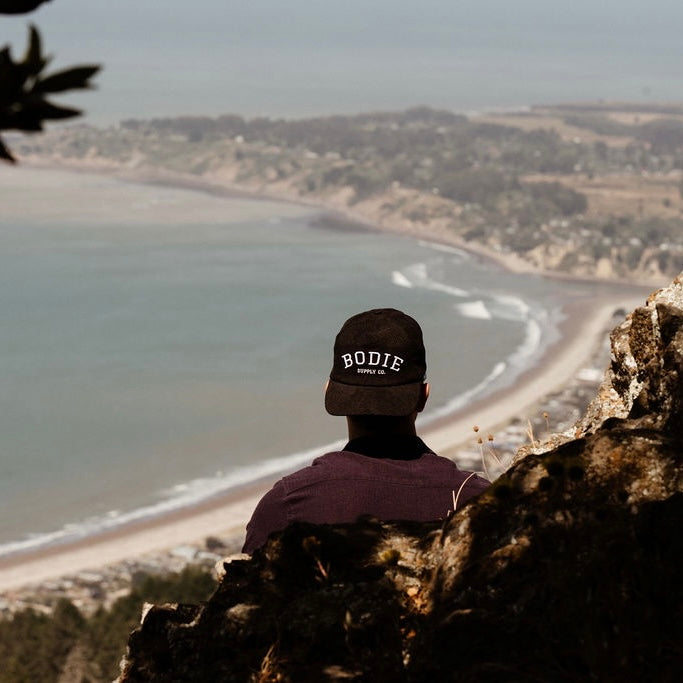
(385, 470)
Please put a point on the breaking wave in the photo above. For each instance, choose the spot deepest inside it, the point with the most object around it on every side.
(483, 306)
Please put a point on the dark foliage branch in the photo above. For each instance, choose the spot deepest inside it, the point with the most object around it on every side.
(25, 87)
(19, 6)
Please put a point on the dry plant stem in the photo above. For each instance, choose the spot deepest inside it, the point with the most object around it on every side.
(457, 496)
(498, 464)
(494, 455)
(266, 672)
(492, 452)
(323, 572)
(530, 433)
(483, 458)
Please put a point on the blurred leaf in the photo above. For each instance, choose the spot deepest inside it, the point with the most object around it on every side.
(10, 80)
(33, 60)
(21, 120)
(5, 153)
(44, 110)
(69, 79)
(19, 6)
(29, 117)
(22, 103)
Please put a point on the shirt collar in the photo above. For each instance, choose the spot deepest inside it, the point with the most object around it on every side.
(393, 446)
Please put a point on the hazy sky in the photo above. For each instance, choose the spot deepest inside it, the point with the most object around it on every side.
(303, 57)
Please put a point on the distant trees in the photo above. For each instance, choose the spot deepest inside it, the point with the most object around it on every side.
(598, 123)
(25, 87)
(566, 201)
(476, 185)
(35, 647)
(662, 134)
(428, 150)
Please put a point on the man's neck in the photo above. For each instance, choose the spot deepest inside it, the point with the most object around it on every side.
(389, 446)
(380, 426)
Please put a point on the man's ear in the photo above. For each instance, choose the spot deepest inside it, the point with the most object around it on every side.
(424, 395)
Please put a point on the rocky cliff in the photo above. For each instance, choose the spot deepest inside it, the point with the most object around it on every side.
(566, 569)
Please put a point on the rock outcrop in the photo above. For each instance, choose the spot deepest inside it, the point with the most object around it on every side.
(566, 569)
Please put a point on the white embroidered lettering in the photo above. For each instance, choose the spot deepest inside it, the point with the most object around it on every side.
(373, 359)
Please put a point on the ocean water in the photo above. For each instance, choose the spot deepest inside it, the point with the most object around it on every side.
(159, 345)
(302, 58)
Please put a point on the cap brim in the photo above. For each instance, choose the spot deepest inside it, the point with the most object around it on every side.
(346, 399)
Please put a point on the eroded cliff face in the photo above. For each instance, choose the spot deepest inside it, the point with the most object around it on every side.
(644, 379)
(566, 569)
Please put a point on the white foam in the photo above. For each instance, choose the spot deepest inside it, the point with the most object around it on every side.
(474, 309)
(510, 307)
(400, 280)
(444, 248)
(466, 397)
(446, 289)
(417, 271)
(416, 275)
(504, 372)
(512, 366)
(529, 346)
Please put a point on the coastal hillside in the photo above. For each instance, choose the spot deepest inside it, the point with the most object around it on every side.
(566, 569)
(591, 191)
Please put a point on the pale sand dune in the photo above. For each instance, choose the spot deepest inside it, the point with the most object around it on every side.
(227, 515)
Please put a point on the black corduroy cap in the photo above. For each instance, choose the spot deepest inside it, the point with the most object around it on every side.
(379, 365)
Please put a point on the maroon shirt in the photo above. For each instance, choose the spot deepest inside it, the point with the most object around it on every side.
(391, 478)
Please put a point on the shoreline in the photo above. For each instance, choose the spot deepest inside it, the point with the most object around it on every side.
(226, 514)
(508, 261)
(584, 328)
